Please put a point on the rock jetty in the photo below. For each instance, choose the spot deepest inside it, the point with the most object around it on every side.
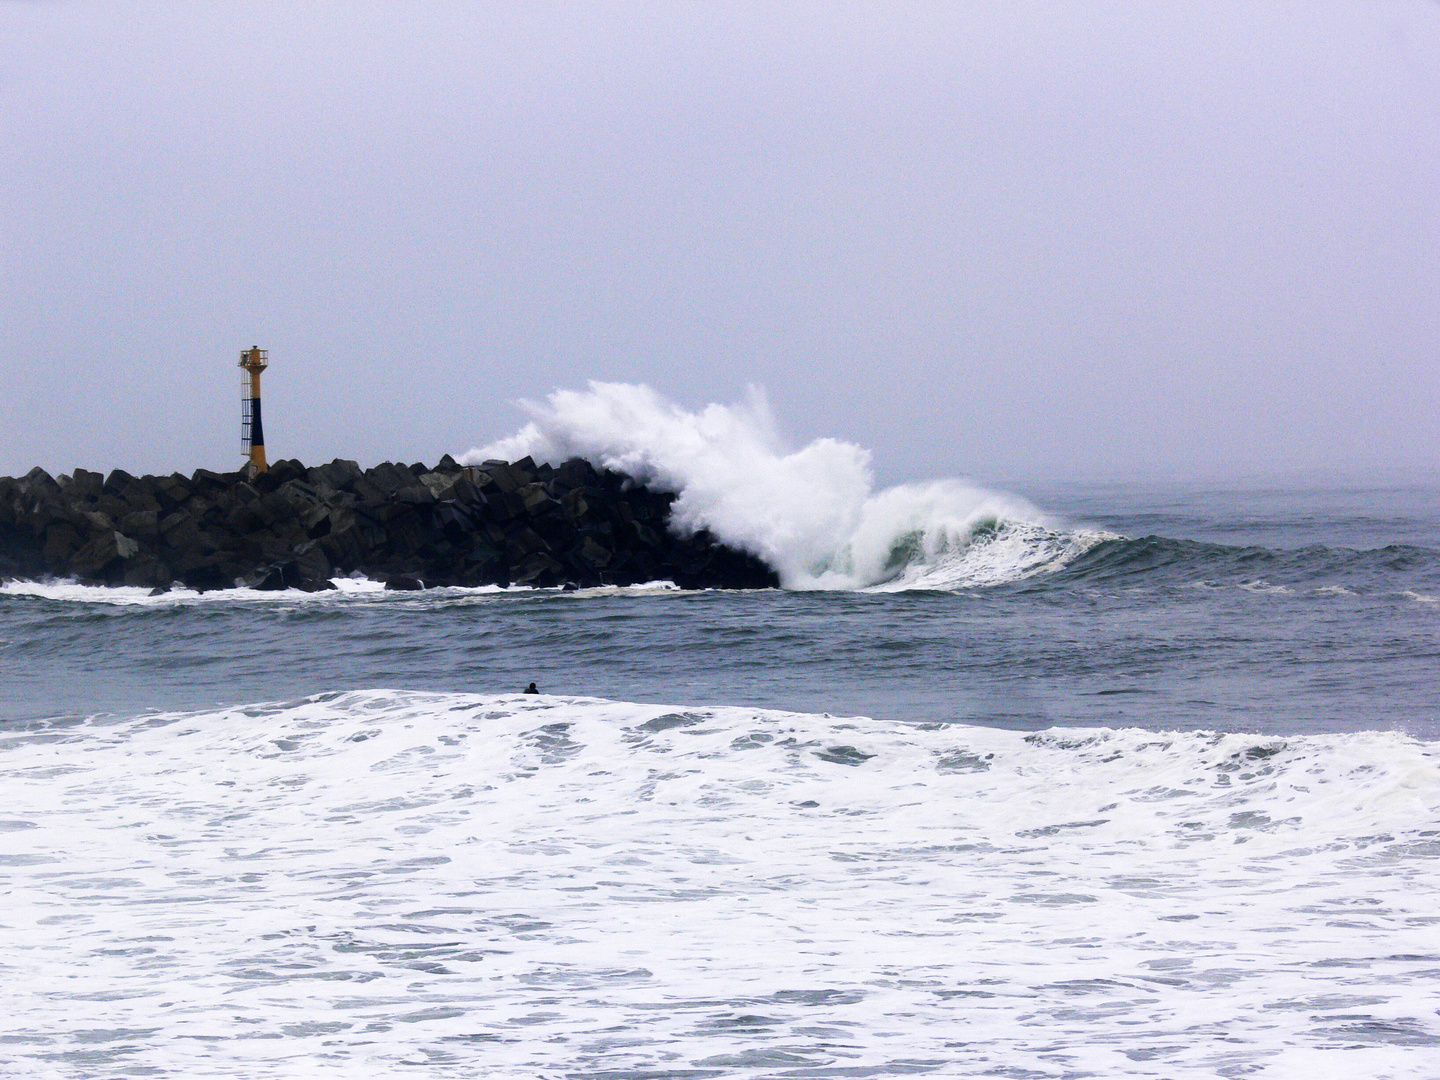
(504, 523)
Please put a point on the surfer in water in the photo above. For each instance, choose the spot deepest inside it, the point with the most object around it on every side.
(531, 689)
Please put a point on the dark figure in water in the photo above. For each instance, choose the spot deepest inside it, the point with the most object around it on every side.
(531, 689)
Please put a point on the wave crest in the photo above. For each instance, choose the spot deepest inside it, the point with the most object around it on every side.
(813, 514)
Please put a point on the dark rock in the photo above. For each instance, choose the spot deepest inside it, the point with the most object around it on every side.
(84, 485)
(403, 583)
(574, 504)
(576, 473)
(116, 482)
(38, 480)
(170, 491)
(593, 554)
(274, 507)
(270, 546)
(522, 541)
(506, 505)
(308, 570)
(312, 563)
(407, 534)
(180, 532)
(541, 571)
(142, 524)
(241, 494)
(441, 485)
(279, 474)
(62, 541)
(137, 497)
(112, 506)
(504, 477)
(299, 494)
(146, 571)
(455, 521)
(203, 481)
(203, 572)
(208, 576)
(535, 499)
(338, 475)
(318, 521)
(272, 580)
(101, 558)
(294, 527)
(389, 478)
(245, 517)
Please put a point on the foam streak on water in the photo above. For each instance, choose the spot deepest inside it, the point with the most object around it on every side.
(384, 883)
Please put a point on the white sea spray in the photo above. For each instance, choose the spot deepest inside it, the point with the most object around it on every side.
(812, 513)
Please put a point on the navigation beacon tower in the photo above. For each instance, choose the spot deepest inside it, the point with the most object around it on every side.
(253, 361)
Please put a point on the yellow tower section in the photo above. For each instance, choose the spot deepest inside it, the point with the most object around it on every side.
(253, 361)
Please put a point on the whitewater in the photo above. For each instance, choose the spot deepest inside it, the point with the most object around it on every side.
(813, 514)
(387, 882)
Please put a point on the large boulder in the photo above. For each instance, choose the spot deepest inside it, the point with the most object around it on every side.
(441, 485)
(38, 480)
(205, 482)
(181, 532)
(143, 525)
(339, 475)
(389, 478)
(312, 562)
(539, 570)
(138, 496)
(146, 571)
(101, 558)
(170, 491)
(116, 482)
(593, 554)
(62, 541)
(84, 485)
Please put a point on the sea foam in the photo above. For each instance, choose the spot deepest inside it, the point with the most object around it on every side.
(379, 883)
(813, 513)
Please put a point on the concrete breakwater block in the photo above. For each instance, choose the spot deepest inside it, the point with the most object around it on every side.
(296, 527)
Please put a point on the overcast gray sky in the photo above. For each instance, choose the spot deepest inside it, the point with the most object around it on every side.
(998, 240)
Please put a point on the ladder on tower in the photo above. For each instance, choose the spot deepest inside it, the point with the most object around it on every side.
(246, 412)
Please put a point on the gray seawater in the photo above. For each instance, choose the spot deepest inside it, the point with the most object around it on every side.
(1169, 810)
(1258, 610)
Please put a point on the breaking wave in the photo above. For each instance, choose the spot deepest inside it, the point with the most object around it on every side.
(814, 513)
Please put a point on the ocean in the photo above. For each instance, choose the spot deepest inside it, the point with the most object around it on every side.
(1107, 780)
